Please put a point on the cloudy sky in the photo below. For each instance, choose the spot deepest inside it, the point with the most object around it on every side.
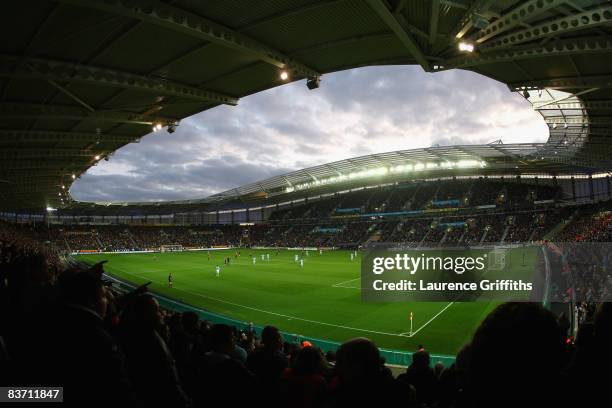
(353, 113)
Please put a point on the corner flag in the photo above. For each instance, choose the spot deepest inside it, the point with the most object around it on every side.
(411, 324)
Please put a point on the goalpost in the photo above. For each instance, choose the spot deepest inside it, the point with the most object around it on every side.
(171, 248)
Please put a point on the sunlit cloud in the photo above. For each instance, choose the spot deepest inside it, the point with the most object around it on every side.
(353, 113)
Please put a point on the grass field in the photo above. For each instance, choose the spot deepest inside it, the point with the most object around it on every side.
(320, 300)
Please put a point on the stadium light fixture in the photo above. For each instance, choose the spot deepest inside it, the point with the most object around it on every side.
(97, 157)
(51, 209)
(284, 75)
(63, 187)
(74, 176)
(313, 82)
(466, 46)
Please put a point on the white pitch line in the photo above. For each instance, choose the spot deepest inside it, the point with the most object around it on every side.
(274, 313)
(339, 285)
(426, 323)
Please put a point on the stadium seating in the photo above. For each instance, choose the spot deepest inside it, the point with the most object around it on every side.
(122, 346)
(127, 350)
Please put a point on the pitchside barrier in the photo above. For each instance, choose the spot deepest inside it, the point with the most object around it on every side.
(392, 357)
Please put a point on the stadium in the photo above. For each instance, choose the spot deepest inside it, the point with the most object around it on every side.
(268, 288)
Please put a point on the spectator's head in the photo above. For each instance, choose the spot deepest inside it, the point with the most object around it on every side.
(84, 288)
(223, 339)
(420, 360)
(357, 359)
(517, 353)
(272, 338)
(143, 311)
(309, 361)
(190, 321)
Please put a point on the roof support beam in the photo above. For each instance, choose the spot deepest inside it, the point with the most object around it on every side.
(33, 173)
(575, 22)
(31, 136)
(402, 35)
(517, 16)
(30, 111)
(176, 19)
(58, 164)
(27, 153)
(572, 105)
(600, 81)
(582, 45)
(433, 21)
(49, 70)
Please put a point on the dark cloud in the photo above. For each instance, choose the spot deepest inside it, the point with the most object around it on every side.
(354, 113)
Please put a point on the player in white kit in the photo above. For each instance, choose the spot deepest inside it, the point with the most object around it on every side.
(217, 270)
(301, 263)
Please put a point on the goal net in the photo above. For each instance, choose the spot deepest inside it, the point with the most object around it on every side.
(171, 248)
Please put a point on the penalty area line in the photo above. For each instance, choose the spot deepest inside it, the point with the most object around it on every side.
(409, 334)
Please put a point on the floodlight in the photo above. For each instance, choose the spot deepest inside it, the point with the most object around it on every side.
(74, 176)
(466, 47)
(313, 82)
(172, 126)
(97, 157)
(284, 75)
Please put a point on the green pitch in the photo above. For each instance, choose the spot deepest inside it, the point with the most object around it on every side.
(320, 300)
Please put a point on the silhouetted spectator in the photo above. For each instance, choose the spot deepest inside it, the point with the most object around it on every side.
(68, 345)
(361, 380)
(517, 355)
(150, 365)
(223, 374)
(304, 383)
(421, 376)
(268, 362)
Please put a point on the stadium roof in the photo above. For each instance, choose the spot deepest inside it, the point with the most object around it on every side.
(81, 78)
